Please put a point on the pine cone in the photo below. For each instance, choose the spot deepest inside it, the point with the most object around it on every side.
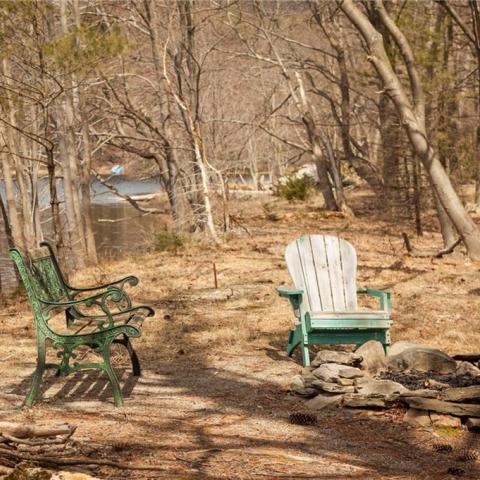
(467, 455)
(299, 418)
(442, 448)
(456, 471)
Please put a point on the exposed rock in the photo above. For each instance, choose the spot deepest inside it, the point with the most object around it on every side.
(417, 418)
(422, 359)
(332, 387)
(473, 425)
(324, 401)
(298, 386)
(440, 406)
(328, 372)
(467, 368)
(357, 400)
(345, 381)
(432, 383)
(399, 347)
(334, 356)
(297, 382)
(308, 380)
(370, 386)
(461, 394)
(373, 356)
(441, 420)
(422, 392)
(350, 372)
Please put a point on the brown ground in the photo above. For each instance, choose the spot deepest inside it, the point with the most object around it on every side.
(213, 402)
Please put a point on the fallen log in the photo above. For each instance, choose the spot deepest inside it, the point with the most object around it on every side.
(21, 431)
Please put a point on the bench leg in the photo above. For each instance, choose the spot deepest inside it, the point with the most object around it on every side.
(125, 341)
(37, 376)
(117, 393)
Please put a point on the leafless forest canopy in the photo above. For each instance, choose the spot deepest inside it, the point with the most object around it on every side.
(204, 93)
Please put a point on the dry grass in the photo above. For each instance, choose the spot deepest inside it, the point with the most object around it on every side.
(213, 401)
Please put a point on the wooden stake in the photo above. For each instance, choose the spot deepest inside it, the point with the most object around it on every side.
(215, 276)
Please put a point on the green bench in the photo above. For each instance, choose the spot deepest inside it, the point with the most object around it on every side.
(95, 317)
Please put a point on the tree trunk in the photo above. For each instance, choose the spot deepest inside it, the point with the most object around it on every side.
(413, 119)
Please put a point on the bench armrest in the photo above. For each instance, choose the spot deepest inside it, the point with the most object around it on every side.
(294, 295)
(120, 283)
(384, 298)
(112, 302)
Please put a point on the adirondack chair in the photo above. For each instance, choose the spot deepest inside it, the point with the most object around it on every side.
(323, 270)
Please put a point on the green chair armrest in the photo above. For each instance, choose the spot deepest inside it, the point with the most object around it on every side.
(289, 292)
(294, 295)
(385, 298)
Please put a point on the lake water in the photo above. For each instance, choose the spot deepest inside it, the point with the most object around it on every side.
(119, 228)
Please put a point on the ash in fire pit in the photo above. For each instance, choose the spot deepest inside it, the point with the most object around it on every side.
(432, 380)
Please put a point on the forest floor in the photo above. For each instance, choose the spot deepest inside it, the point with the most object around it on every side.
(213, 401)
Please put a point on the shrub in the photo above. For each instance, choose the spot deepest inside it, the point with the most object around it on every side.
(167, 240)
(295, 188)
(269, 213)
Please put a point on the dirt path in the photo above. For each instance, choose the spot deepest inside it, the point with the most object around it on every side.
(213, 402)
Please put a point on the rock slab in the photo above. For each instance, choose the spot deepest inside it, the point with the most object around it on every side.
(321, 402)
(422, 359)
(373, 356)
(334, 356)
(440, 406)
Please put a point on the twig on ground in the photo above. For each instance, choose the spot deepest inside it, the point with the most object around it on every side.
(431, 254)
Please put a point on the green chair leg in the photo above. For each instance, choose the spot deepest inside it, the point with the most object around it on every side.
(117, 393)
(305, 355)
(37, 376)
(294, 339)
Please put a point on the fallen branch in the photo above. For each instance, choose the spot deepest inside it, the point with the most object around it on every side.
(413, 252)
(20, 431)
(47, 461)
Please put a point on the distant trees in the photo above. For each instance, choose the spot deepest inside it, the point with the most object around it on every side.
(202, 94)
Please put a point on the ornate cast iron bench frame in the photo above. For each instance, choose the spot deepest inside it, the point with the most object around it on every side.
(107, 309)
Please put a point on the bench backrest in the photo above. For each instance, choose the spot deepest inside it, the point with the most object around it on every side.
(41, 277)
(325, 268)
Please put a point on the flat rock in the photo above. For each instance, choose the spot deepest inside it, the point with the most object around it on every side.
(442, 420)
(422, 359)
(328, 372)
(332, 387)
(350, 372)
(322, 401)
(370, 386)
(357, 400)
(373, 356)
(467, 368)
(461, 394)
(422, 392)
(345, 381)
(440, 406)
(417, 418)
(334, 356)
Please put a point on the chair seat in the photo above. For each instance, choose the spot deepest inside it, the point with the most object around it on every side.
(357, 320)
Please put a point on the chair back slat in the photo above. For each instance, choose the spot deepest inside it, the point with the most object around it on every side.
(325, 268)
